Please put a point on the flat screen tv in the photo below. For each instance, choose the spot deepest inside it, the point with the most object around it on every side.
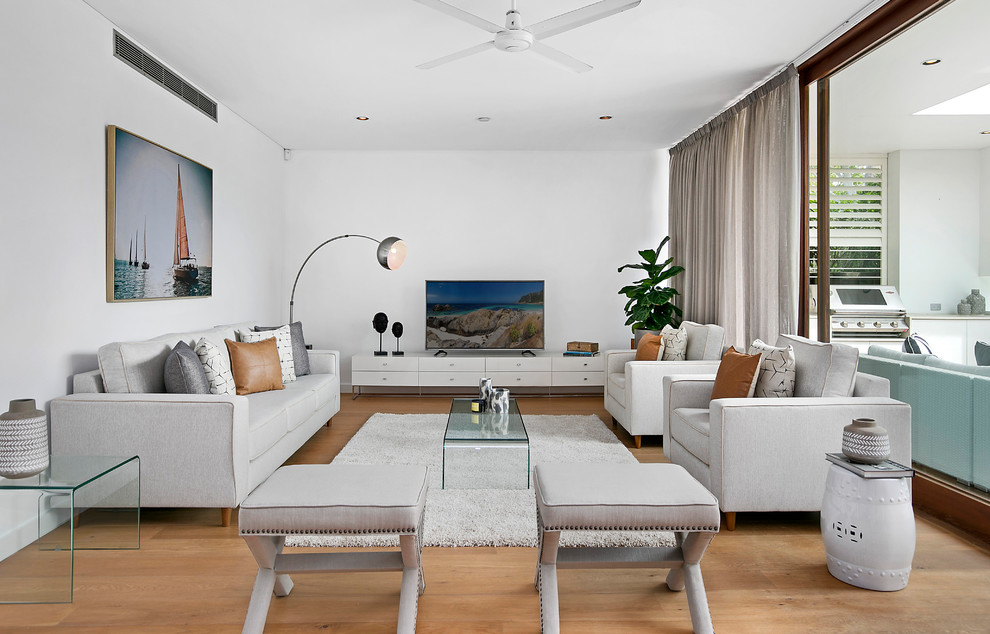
(484, 314)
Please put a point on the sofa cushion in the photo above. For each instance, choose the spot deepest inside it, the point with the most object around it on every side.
(283, 345)
(897, 355)
(617, 387)
(935, 362)
(982, 351)
(136, 367)
(300, 356)
(184, 372)
(776, 374)
(269, 421)
(821, 369)
(650, 348)
(704, 341)
(737, 375)
(216, 366)
(675, 342)
(255, 366)
(692, 427)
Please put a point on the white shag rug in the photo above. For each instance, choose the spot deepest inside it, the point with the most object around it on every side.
(483, 517)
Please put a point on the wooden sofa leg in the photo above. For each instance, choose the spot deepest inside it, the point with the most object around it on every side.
(225, 516)
(730, 520)
(614, 422)
(639, 441)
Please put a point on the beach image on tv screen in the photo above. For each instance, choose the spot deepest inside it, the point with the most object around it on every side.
(489, 315)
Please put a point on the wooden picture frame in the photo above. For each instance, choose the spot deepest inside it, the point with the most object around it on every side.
(160, 218)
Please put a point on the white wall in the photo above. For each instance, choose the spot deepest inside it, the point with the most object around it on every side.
(570, 218)
(61, 86)
(936, 196)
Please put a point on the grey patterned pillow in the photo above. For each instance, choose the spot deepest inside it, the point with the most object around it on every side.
(777, 371)
(216, 367)
(675, 343)
(300, 356)
(184, 372)
(283, 342)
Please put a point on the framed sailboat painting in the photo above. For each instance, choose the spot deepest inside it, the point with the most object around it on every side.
(159, 221)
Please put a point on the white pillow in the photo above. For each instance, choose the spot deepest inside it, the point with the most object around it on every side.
(675, 343)
(217, 368)
(283, 342)
(777, 371)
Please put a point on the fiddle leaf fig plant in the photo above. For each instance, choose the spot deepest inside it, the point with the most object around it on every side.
(650, 305)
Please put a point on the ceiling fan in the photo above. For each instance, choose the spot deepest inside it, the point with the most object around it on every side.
(513, 38)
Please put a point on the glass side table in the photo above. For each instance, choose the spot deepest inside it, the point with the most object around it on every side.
(83, 502)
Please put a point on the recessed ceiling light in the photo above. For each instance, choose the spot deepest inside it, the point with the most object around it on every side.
(361, 118)
(484, 119)
(605, 117)
(985, 132)
(931, 62)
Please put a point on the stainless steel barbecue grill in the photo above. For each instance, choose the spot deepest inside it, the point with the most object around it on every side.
(866, 312)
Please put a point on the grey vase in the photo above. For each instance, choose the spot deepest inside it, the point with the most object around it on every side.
(866, 442)
(23, 440)
(977, 302)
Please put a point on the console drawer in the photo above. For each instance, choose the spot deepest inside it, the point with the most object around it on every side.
(368, 363)
(573, 379)
(527, 379)
(405, 379)
(452, 364)
(517, 364)
(578, 364)
(450, 379)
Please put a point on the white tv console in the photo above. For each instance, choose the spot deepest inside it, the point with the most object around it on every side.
(464, 370)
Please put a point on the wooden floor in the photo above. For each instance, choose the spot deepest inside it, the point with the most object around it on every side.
(769, 575)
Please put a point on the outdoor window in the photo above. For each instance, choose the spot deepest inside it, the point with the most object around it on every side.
(857, 228)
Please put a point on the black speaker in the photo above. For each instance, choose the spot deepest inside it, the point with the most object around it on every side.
(380, 323)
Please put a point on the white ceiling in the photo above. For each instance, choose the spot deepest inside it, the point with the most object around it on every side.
(873, 101)
(302, 70)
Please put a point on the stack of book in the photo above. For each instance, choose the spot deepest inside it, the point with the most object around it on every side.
(581, 349)
(886, 469)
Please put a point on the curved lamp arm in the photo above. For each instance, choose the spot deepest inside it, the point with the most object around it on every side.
(391, 254)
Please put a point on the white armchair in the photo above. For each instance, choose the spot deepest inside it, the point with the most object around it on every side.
(768, 454)
(634, 389)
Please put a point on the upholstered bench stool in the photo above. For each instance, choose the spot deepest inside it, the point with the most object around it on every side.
(335, 498)
(626, 497)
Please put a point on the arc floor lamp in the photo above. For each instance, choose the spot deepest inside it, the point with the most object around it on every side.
(391, 254)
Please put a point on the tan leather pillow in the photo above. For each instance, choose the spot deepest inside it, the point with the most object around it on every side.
(255, 366)
(737, 374)
(650, 347)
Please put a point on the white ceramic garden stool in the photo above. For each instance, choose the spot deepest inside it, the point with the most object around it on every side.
(868, 529)
(624, 497)
(335, 499)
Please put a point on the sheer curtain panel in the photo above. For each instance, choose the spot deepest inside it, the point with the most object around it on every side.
(735, 213)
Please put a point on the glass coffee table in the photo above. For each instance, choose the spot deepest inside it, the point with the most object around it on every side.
(78, 502)
(485, 450)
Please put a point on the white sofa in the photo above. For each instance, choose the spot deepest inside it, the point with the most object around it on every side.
(196, 450)
(634, 389)
(768, 454)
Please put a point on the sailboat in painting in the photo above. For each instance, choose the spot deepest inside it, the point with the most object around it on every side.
(135, 262)
(183, 264)
(130, 252)
(144, 260)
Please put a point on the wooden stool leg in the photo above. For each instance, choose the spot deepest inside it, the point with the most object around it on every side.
(694, 548)
(413, 583)
(546, 576)
(261, 598)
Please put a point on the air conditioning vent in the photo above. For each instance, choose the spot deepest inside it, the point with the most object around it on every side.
(135, 57)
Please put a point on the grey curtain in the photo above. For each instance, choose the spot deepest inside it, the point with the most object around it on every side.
(735, 213)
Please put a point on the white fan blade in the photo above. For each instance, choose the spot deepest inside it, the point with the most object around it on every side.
(459, 54)
(561, 58)
(462, 15)
(579, 17)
